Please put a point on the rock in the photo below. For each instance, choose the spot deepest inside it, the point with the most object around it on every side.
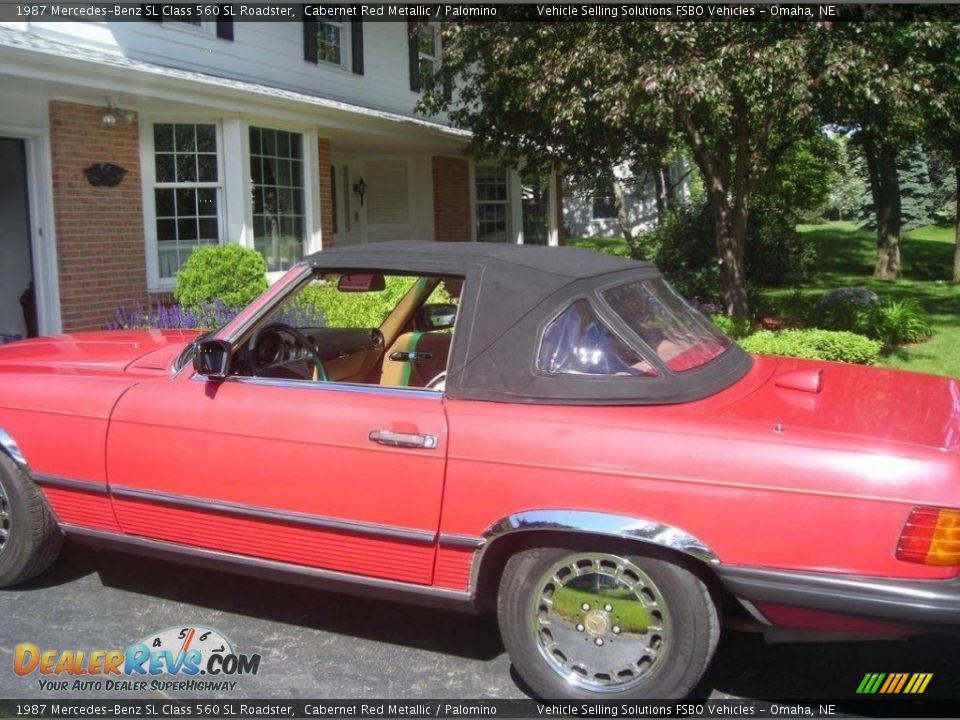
(862, 296)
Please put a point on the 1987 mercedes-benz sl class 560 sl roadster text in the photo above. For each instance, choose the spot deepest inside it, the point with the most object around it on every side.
(549, 433)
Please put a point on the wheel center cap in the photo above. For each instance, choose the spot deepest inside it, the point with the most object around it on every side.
(596, 622)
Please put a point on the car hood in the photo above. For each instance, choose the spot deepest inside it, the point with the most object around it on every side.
(109, 352)
(854, 400)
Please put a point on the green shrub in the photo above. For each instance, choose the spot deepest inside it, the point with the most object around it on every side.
(735, 328)
(357, 310)
(814, 344)
(897, 322)
(893, 322)
(229, 274)
(684, 248)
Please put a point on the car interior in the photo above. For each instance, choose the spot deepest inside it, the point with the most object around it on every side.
(357, 328)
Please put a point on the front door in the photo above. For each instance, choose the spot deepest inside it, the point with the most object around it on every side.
(18, 312)
(283, 470)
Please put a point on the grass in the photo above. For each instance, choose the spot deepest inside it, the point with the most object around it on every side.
(629, 613)
(847, 256)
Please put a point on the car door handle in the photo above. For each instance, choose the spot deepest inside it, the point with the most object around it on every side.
(410, 440)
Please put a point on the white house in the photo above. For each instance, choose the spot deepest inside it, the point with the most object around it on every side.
(287, 137)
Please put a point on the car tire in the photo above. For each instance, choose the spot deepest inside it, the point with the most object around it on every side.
(29, 537)
(574, 631)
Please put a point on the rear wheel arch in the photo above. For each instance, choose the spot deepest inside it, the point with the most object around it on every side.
(587, 530)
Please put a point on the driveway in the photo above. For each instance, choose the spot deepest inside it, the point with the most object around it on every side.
(322, 645)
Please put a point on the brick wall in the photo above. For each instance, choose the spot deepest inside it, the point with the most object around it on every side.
(326, 194)
(451, 199)
(100, 246)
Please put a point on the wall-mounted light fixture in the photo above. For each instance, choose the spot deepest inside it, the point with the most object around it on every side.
(360, 188)
(112, 115)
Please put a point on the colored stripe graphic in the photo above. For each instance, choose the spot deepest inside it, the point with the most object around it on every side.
(894, 683)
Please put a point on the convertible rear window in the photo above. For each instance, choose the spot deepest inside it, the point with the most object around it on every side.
(577, 342)
(682, 337)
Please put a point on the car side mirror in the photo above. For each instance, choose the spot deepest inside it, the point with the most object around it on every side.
(436, 316)
(212, 359)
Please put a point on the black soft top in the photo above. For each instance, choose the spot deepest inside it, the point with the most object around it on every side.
(511, 294)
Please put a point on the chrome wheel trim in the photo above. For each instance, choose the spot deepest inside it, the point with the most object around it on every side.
(4, 519)
(600, 622)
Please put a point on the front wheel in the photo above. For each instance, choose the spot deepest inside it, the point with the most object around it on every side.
(29, 537)
(605, 626)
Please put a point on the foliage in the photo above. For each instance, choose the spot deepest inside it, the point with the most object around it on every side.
(229, 274)
(590, 94)
(916, 191)
(814, 344)
(735, 328)
(355, 310)
(683, 247)
(160, 316)
(849, 186)
(847, 256)
(798, 185)
(893, 322)
(879, 80)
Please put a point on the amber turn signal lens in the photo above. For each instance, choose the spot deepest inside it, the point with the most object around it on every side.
(931, 536)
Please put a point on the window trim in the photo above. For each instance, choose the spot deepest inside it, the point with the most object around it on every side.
(512, 236)
(148, 183)
(346, 45)
(312, 206)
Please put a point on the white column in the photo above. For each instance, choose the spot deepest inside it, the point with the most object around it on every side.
(237, 193)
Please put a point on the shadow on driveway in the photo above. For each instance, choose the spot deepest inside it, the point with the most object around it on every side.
(744, 666)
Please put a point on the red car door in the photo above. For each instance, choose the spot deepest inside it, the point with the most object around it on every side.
(335, 476)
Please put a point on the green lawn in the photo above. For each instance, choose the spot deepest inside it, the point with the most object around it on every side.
(846, 258)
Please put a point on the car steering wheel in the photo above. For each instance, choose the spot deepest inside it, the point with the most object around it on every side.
(280, 356)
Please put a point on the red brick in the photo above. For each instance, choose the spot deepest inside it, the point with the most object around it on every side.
(100, 246)
(452, 219)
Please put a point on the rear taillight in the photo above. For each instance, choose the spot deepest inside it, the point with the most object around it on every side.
(931, 536)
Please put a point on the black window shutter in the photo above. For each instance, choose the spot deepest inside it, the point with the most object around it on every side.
(413, 44)
(224, 26)
(356, 45)
(310, 41)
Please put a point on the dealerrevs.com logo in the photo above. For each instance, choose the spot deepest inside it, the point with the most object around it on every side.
(185, 658)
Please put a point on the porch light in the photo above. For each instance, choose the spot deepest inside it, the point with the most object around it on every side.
(113, 114)
(360, 188)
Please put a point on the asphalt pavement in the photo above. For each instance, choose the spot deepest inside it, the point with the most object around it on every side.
(324, 645)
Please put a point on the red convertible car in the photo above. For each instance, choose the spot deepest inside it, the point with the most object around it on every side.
(550, 433)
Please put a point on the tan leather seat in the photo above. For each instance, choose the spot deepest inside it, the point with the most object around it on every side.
(415, 359)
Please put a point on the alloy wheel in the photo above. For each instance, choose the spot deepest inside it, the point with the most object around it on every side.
(600, 622)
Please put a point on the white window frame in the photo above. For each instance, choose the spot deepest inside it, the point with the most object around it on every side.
(515, 204)
(346, 48)
(148, 182)
(313, 233)
(508, 203)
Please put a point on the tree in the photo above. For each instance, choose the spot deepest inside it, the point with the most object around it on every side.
(590, 94)
(940, 112)
(876, 82)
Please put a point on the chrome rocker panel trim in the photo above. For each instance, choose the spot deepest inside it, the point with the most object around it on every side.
(317, 578)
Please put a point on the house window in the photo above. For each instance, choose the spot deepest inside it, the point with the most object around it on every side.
(492, 200)
(186, 192)
(330, 37)
(428, 40)
(276, 169)
(535, 203)
(604, 207)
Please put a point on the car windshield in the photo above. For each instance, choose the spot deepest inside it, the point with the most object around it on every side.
(682, 337)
